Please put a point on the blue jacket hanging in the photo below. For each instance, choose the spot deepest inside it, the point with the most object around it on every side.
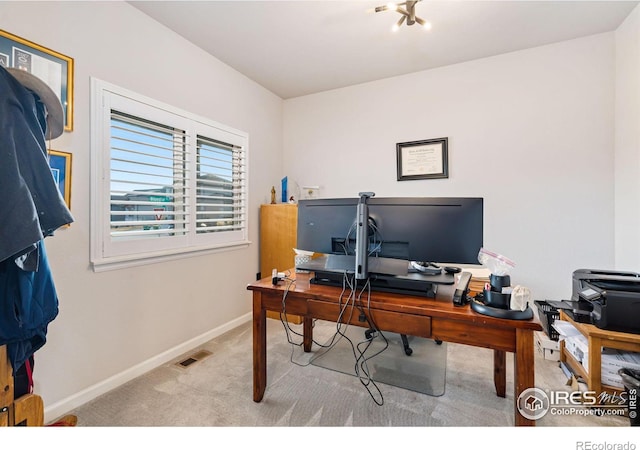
(29, 302)
(31, 209)
(32, 206)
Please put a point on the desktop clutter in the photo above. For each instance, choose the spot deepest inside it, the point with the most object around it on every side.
(499, 298)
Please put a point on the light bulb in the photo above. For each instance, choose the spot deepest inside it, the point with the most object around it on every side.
(423, 24)
(398, 24)
(392, 6)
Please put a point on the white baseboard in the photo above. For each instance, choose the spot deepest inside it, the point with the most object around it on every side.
(58, 409)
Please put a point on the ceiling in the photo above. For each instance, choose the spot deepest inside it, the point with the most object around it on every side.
(295, 48)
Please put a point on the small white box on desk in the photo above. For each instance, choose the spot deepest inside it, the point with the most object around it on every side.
(548, 348)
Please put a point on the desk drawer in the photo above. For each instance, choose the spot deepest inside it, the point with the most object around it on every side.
(273, 302)
(476, 335)
(410, 324)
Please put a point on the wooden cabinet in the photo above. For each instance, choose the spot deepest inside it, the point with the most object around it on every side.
(278, 236)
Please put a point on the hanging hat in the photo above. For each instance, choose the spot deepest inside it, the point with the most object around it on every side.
(55, 113)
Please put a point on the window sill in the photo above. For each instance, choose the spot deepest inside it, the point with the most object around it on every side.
(125, 262)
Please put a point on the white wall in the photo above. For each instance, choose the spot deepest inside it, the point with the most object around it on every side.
(114, 325)
(627, 143)
(531, 132)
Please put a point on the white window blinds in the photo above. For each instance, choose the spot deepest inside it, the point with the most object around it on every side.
(220, 198)
(165, 181)
(149, 179)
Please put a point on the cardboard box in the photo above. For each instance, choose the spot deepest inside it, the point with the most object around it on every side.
(548, 348)
(618, 359)
(611, 361)
(612, 379)
(578, 347)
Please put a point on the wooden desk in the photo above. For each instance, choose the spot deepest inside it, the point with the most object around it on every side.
(436, 319)
(597, 338)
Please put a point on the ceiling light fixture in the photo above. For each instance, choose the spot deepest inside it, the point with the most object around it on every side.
(408, 11)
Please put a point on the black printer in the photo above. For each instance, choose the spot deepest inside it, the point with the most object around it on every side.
(612, 299)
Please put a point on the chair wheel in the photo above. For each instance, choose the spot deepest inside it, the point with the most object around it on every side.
(439, 342)
(405, 344)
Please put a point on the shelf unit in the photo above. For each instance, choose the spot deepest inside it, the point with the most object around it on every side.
(597, 339)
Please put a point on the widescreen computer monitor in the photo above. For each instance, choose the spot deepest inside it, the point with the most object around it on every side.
(434, 229)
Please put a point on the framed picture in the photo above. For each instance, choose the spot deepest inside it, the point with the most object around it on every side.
(60, 163)
(54, 68)
(419, 160)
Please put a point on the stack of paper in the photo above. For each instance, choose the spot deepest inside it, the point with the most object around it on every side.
(479, 278)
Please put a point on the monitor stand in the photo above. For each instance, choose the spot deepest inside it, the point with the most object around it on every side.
(385, 274)
(386, 266)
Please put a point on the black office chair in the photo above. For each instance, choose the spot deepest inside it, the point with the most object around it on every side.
(405, 343)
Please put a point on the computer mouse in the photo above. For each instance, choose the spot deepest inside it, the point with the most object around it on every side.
(452, 270)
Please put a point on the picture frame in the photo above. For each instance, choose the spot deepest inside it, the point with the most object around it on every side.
(60, 164)
(426, 159)
(54, 68)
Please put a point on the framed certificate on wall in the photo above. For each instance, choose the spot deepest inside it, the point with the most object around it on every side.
(419, 160)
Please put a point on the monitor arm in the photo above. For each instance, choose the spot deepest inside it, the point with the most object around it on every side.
(362, 238)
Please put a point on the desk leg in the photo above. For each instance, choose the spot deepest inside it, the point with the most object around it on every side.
(259, 347)
(307, 333)
(523, 371)
(500, 372)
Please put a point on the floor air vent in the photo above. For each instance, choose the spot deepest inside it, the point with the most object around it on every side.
(198, 356)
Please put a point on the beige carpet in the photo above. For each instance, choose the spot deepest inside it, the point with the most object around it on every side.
(217, 392)
(382, 360)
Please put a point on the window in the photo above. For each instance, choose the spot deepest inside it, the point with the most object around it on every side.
(166, 183)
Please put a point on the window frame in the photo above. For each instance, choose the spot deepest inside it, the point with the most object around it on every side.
(107, 254)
